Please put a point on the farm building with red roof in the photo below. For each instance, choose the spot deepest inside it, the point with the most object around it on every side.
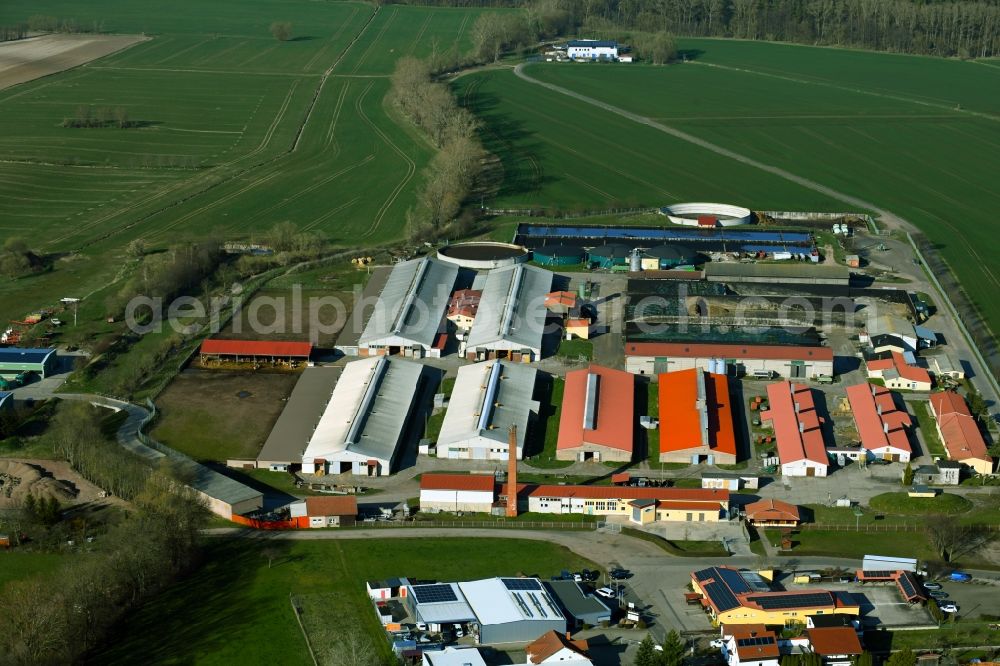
(254, 350)
(597, 415)
(655, 358)
(797, 428)
(882, 427)
(772, 513)
(897, 373)
(960, 433)
(696, 418)
(457, 492)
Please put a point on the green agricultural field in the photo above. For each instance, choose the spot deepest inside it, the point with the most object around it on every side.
(916, 136)
(234, 132)
(237, 609)
(19, 565)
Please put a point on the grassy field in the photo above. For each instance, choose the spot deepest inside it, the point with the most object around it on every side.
(903, 504)
(916, 136)
(236, 132)
(202, 413)
(236, 609)
(17, 565)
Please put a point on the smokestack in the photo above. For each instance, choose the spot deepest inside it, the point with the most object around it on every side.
(512, 472)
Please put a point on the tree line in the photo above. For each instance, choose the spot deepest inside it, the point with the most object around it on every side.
(963, 28)
(92, 117)
(456, 168)
(10, 33)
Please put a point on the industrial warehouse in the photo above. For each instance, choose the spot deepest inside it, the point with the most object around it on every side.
(765, 361)
(596, 422)
(365, 423)
(488, 399)
(696, 418)
(510, 321)
(408, 317)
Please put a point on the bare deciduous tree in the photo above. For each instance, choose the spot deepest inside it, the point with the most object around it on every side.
(281, 30)
(953, 539)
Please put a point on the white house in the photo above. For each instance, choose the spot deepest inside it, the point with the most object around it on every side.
(592, 49)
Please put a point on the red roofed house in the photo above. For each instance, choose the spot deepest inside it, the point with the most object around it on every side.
(959, 431)
(560, 302)
(772, 513)
(898, 374)
(797, 428)
(552, 646)
(597, 415)
(655, 358)
(837, 646)
(696, 418)
(336, 511)
(751, 645)
(254, 350)
(457, 492)
(463, 306)
(882, 427)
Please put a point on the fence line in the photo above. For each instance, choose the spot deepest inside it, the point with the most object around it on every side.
(479, 523)
(892, 527)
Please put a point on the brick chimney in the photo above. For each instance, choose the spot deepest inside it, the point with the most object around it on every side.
(512, 472)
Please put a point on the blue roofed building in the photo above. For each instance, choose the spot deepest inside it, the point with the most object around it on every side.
(592, 49)
(16, 360)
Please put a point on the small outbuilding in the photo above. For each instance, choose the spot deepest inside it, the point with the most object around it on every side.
(337, 511)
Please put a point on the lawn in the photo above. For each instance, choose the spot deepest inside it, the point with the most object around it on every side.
(873, 126)
(858, 544)
(546, 427)
(214, 415)
(576, 349)
(236, 609)
(928, 429)
(18, 565)
(903, 504)
(680, 548)
(238, 132)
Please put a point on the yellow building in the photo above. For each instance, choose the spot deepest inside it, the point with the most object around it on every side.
(639, 505)
(731, 596)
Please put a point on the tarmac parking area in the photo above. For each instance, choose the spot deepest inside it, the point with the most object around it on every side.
(881, 604)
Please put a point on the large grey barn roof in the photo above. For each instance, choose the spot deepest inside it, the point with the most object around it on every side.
(412, 303)
(291, 432)
(487, 399)
(512, 307)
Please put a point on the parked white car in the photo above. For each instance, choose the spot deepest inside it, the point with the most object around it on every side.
(717, 644)
(606, 592)
(948, 608)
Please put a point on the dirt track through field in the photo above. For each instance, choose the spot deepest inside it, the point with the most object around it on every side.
(29, 59)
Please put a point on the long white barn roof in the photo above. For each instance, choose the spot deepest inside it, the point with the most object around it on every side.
(366, 414)
(487, 399)
(512, 308)
(412, 304)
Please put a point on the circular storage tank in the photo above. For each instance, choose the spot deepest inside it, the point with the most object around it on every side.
(558, 255)
(613, 254)
(672, 254)
(725, 215)
(483, 255)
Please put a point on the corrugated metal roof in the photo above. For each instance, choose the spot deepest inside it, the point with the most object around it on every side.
(368, 410)
(614, 395)
(256, 348)
(294, 427)
(412, 304)
(695, 412)
(475, 482)
(24, 354)
(512, 308)
(697, 350)
(795, 270)
(487, 399)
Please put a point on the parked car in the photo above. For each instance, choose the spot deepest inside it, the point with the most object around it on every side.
(948, 608)
(960, 576)
(459, 632)
(620, 574)
(577, 576)
(590, 576)
(606, 592)
(932, 586)
(939, 594)
(422, 626)
(717, 644)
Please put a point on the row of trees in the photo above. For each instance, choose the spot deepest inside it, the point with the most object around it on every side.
(966, 28)
(92, 117)
(9, 33)
(454, 172)
(43, 23)
(56, 619)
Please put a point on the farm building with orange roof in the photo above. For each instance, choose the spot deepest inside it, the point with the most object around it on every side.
(696, 418)
(958, 430)
(882, 427)
(797, 428)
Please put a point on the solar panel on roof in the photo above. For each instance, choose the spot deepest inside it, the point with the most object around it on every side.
(909, 585)
(521, 584)
(877, 574)
(721, 597)
(704, 574)
(432, 594)
(793, 600)
(754, 641)
(735, 581)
